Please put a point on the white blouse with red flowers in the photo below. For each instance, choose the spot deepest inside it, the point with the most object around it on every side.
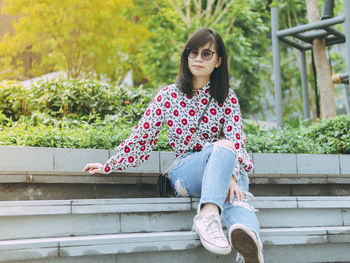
(181, 113)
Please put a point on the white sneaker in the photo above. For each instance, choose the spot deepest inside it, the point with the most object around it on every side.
(211, 235)
(245, 242)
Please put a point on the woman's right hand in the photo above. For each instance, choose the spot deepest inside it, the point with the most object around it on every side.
(94, 168)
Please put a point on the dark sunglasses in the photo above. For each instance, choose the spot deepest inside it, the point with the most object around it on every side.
(206, 54)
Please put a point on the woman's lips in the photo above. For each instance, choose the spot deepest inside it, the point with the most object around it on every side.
(197, 66)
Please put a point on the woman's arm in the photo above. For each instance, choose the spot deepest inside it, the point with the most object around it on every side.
(233, 131)
(136, 149)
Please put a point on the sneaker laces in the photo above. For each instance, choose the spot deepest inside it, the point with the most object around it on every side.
(214, 228)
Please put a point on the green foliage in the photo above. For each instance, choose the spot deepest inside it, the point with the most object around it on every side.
(330, 136)
(41, 130)
(92, 114)
(74, 98)
(84, 97)
(14, 100)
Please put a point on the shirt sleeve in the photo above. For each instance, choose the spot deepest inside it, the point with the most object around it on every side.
(233, 131)
(136, 149)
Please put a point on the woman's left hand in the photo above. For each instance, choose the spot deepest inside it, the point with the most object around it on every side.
(234, 190)
(93, 168)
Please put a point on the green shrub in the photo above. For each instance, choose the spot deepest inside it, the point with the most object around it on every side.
(15, 100)
(73, 99)
(330, 136)
(77, 98)
(92, 114)
(40, 130)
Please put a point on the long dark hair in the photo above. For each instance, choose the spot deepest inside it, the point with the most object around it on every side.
(219, 79)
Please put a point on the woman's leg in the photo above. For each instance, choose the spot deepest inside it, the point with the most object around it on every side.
(207, 175)
(243, 226)
(241, 212)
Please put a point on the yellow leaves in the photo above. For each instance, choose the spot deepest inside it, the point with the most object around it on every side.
(90, 36)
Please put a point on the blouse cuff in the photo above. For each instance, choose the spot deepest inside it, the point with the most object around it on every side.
(236, 174)
(106, 168)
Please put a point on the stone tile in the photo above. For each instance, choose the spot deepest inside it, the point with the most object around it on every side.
(157, 222)
(297, 231)
(339, 234)
(25, 191)
(274, 163)
(150, 166)
(324, 202)
(29, 244)
(76, 159)
(311, 253)
(26, 158)
(295, 240)
(345, 164)
(126, 190)
(194, 255)
(67, 259)
(274, 202)
(270, 189)
(46, 226)
(318, 164)
(166, 159)
(310, 189)
(22, 255)
(272, 218)
(128, 208)
(34, 210)
(346, 216)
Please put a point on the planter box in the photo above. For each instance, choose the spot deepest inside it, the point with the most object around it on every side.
(318, 164)
(275, 163)
(27, 159)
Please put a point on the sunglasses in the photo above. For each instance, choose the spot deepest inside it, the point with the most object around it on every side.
(206, 54)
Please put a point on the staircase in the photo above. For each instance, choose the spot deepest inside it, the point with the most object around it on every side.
(294, 229)
(92, 222)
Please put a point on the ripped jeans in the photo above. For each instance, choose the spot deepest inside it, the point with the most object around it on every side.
(207, 175)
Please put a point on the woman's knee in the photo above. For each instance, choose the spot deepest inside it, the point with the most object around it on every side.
(227, 144)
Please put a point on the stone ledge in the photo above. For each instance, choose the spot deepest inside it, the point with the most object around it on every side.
(155, 242)
(142, 205)
(26, 160)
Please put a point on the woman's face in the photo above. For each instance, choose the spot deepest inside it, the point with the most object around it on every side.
(203, 61)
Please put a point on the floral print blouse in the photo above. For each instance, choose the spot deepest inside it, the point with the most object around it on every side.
(182, 113)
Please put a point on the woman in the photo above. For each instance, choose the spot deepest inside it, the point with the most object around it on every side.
(215, 168)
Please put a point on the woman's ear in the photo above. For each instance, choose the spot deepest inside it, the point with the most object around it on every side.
(218, 62)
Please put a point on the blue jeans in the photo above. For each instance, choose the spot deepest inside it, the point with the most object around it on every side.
(207, 175)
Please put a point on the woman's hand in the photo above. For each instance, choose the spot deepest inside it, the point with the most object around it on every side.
(94, 168)
(234, 190)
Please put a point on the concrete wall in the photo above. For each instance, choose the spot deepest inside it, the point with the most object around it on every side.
(13, 158)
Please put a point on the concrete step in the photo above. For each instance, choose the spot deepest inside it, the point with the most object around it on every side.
(58, 174)
(55, 185)
(316, 244)
(52, 218)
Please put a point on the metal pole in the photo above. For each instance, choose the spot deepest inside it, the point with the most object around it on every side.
(346, 97)
(304, 85)
(312, 26)
(346, 5)
(276, 67)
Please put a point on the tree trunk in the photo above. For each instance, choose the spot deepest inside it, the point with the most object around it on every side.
(322, 67)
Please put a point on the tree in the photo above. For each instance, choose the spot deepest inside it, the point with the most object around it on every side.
(90, 37)
(324, 76)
